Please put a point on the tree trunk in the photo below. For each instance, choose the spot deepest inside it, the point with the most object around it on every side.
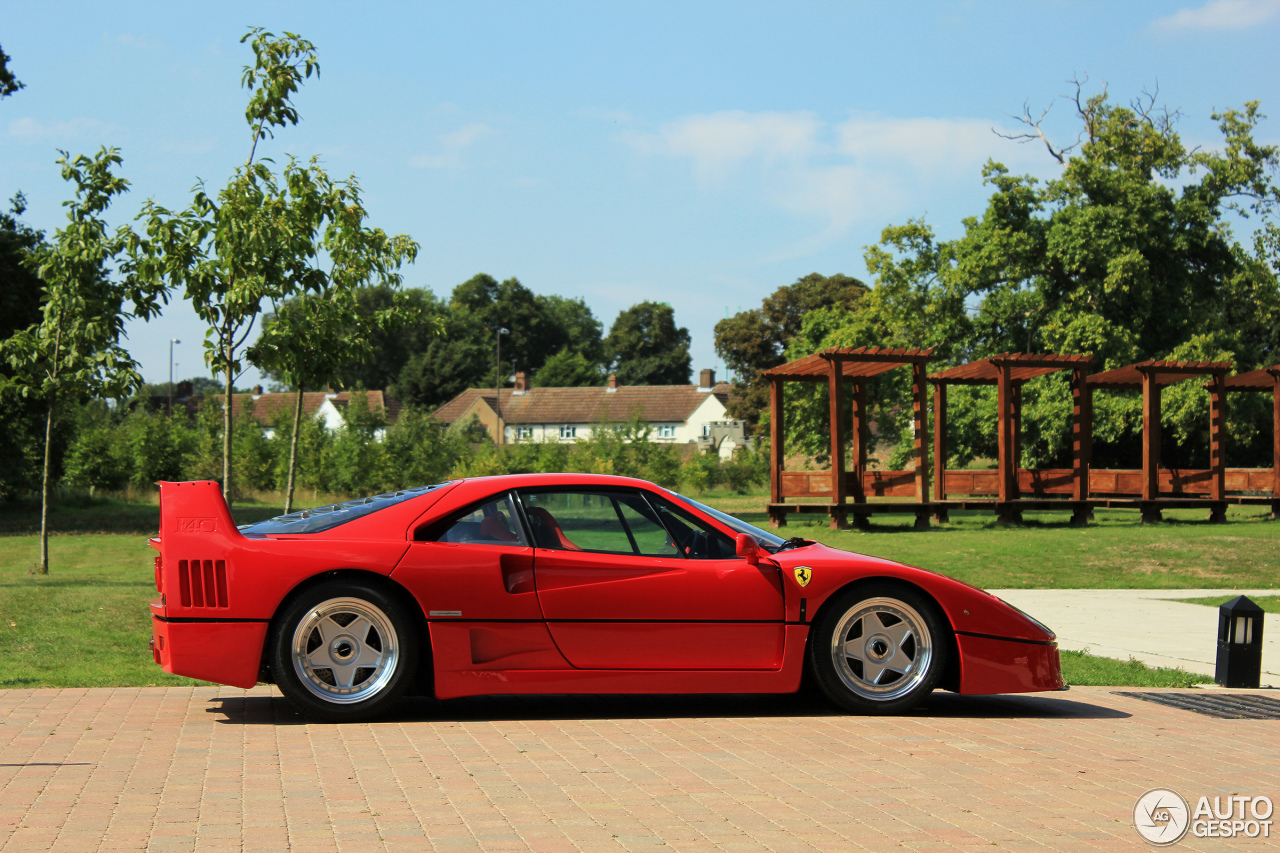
(43, 568)
(293, 452)
(226, 440)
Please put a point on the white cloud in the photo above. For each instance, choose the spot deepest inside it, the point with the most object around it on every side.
(865, 169)
(717, 143)
(28, 130)
(1220, 15)
(451, 147)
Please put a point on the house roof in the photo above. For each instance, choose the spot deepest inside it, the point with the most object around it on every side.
(652, 403)
(1022, 366)
(267, 407)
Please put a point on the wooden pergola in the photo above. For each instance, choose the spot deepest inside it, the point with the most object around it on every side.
(835, 367)
(1262, 380)
(1150, 377)
(1009, 372)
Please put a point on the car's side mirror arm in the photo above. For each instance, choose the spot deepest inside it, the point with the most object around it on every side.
(747, 548)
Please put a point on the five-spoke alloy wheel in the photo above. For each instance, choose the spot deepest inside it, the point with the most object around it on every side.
(343, 651)
(878, 648)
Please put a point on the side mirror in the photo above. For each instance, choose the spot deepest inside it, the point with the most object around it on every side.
(747, 548)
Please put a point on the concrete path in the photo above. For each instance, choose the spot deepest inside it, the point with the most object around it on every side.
(1145, 624)
(219, 769)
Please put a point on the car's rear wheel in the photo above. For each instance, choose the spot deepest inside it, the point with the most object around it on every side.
(879, 648)
(344, 651)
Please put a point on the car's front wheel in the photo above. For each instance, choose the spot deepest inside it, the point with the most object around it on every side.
(344, 651)
(879, 648)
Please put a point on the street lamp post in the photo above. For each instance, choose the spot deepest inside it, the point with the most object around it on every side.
(497, 369)
(172, 341)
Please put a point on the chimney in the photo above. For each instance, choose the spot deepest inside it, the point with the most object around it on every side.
(257, 391)
(522, 384)
(707, 380)
(613, 382)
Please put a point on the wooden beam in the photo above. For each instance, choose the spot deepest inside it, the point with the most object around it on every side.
(777, 456)
(919, 411)
(1003, 433)
(1150, 437)
(835, 388)
(939, 442)
(1217, 437)
(1081, 434)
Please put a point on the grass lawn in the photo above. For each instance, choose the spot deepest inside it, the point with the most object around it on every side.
(87, 623)
(1083, 669)
(1269, 603)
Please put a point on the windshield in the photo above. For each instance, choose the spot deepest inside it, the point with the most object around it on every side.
(763, 537)
(326, 517)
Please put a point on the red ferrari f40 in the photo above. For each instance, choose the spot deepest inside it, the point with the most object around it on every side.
(561, 583)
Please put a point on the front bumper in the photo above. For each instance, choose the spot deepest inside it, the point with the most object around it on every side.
(997, 665)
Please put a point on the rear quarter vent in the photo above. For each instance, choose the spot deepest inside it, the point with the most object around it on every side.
(203, 583)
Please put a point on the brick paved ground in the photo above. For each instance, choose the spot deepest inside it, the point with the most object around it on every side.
(218, 769)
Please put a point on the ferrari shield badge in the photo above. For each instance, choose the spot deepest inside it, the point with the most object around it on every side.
(804, 574)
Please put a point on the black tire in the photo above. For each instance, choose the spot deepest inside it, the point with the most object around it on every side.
(879, 648)
(364, 664)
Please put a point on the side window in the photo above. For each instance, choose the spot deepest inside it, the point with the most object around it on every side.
(604, 522)
(490, 523)
(694, 537)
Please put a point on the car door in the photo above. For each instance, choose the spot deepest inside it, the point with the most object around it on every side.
(627, 580)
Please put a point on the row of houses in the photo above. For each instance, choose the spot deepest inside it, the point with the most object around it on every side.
(675, 414)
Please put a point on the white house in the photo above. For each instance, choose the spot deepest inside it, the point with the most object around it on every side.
(677, 414)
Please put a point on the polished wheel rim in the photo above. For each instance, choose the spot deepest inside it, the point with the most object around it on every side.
(881, 649)
(345, 650)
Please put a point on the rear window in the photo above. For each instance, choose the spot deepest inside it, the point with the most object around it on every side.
(329, 516)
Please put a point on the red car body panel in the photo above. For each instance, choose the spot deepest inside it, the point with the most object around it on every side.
(516, 619)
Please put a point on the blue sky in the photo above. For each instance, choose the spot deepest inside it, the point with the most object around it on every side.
(696, 153)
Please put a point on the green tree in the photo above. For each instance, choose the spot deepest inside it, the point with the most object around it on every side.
(1127, 253)
(645, 347)
(756, 340)
(74, 350)
(568, 369)
(309, 340)
(8, 83)
(250, 243)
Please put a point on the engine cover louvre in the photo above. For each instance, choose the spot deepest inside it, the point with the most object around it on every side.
(203, 583)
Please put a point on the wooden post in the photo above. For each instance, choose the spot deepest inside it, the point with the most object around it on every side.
(1150, 437)
(777, 456)
(1003, 433)
(1275, 434)
(939, 442)
(1081, 433)
(858, 432)
(919, 411)
(1217, 437)
(835, 388)
(1015, 429)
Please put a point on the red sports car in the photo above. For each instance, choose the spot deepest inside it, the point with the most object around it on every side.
(561, 583)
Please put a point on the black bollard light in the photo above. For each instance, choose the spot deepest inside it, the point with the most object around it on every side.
(1239, 644)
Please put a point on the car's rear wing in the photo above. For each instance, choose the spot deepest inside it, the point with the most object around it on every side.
(196, 534)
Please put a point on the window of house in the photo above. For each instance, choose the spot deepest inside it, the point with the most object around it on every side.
(568, 432)
(706, 429)
(524, 432)
(666, 431)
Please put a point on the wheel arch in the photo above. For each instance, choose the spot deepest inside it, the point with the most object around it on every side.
(423, 682)
(951, 674)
